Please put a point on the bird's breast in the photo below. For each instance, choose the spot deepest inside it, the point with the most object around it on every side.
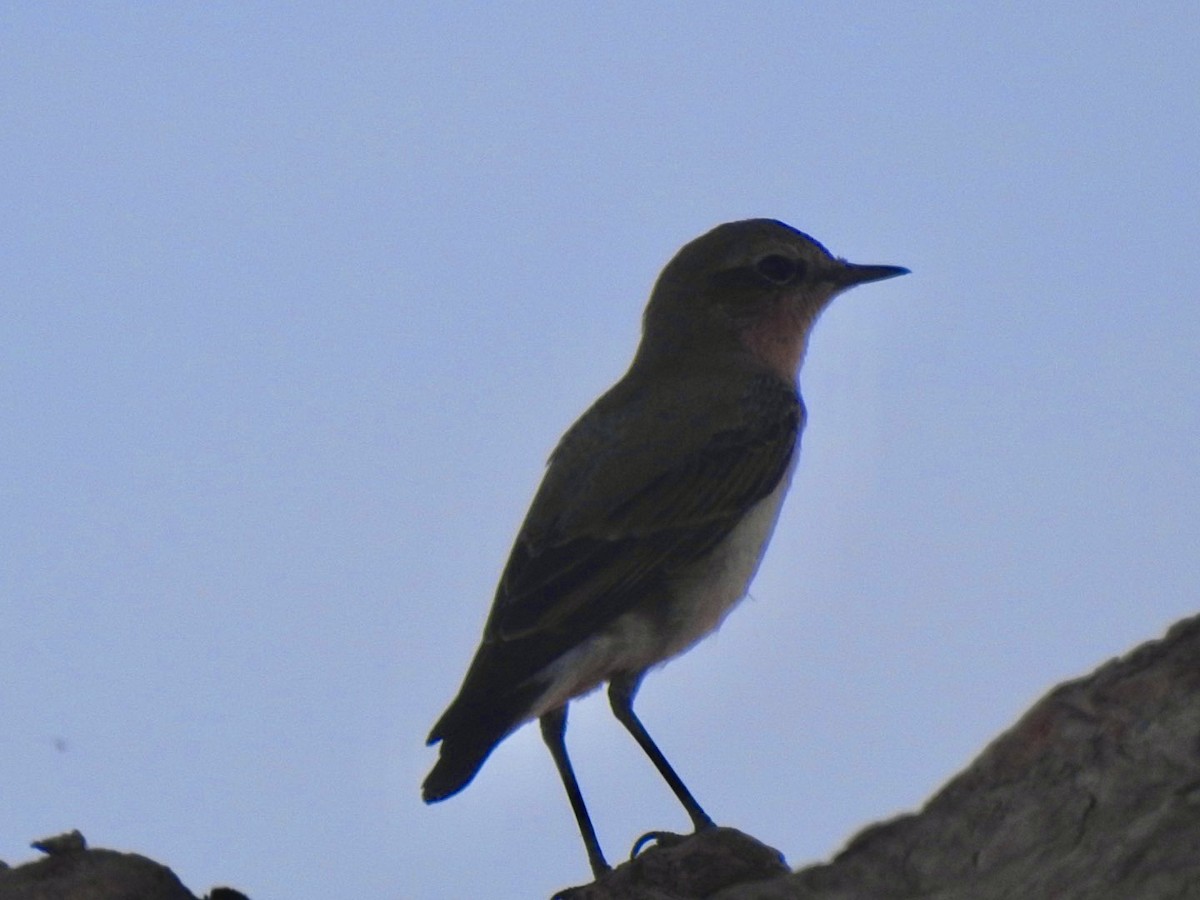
(695, 603)
(704, 593)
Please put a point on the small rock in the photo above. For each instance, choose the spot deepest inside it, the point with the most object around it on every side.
(68, 842)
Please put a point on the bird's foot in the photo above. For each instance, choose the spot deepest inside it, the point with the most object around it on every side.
(659, 838)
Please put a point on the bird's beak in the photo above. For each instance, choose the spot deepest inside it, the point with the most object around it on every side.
(849, 274)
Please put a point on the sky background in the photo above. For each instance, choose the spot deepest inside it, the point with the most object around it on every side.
(295, 300)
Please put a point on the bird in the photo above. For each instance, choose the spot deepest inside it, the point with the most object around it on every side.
(656, 506)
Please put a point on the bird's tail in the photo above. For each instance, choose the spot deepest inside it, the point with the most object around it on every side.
(480, 717)
(456, 766)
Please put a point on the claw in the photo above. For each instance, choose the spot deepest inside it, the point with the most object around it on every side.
(662, 838)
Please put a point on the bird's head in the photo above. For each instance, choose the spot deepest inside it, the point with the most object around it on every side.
(752, 288)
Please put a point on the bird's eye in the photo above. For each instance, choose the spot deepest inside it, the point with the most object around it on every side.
(779, 269)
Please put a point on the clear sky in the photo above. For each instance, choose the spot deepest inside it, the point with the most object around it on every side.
(295, 300)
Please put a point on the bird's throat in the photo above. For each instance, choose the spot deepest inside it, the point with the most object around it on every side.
(778, 339)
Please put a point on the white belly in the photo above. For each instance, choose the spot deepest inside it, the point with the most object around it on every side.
(710, 591)
(698, 603)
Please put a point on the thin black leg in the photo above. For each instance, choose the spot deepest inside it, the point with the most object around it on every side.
(554, 728)
(621, 691)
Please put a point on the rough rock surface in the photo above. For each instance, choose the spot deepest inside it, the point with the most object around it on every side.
(1093, 795)
(71, 871)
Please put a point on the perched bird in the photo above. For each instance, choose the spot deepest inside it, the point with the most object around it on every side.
(656, 506)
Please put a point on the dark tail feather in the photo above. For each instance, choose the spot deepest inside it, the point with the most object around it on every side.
(457, 765)
(495, 698)
(469, 730)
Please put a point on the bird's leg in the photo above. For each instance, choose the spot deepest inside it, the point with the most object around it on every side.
(554, 728)
(621, 691)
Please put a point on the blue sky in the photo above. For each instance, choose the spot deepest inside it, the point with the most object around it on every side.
(297, 299)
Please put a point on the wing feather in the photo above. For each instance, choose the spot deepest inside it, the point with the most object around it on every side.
(571, 574)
